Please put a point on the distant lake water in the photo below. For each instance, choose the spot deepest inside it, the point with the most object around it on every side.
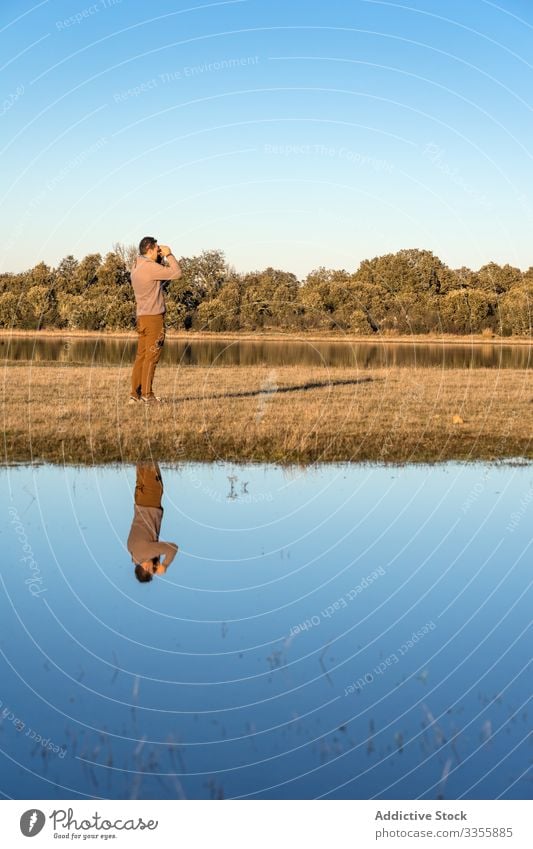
(335, 632)
(272, 353)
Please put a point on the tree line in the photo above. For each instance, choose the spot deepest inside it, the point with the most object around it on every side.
(411, 291)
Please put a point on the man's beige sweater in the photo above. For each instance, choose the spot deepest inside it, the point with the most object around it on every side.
(147, 279)
(143, 540)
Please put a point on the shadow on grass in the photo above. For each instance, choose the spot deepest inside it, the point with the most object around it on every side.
(279, 389)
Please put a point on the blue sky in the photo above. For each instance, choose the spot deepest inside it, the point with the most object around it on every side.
(290, 134)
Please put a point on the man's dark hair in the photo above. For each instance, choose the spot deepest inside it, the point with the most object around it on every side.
(142, 575)
(146, 243)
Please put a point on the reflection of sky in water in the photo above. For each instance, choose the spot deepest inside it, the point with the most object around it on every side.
(202, 683)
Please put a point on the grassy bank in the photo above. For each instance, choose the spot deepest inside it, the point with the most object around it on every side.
(78, 414)
(278, 336)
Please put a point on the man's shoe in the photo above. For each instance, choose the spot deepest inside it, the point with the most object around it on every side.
(134, 399)
(151, 399)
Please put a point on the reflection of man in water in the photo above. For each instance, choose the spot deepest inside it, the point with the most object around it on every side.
(143, 541)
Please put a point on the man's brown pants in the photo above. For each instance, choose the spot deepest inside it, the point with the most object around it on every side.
(151, 330)
(149, 485)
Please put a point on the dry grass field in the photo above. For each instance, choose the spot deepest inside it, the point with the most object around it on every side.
(62, 413)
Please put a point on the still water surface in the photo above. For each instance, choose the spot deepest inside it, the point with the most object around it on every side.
(245, 353)
(338, 632)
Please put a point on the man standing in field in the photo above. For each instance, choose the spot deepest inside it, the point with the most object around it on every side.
(148, 277)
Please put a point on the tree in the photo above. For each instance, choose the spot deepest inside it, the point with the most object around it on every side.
(223, 312)
(112, 273)
(11, 282)
(409, 312)
(467, 311)
(40, 275)
(65, 274)
(515, 313)
(409, 270)
(269, 298)
(283, 289)
(204, 275)
(497, 278)
(527, 277)
(411, 291)
(329, 299)
(82, 312)
(126, 253)
(36, 302)
(86, 273)
(182, 303)
(201, 279)
(464, 278)
(9, 302)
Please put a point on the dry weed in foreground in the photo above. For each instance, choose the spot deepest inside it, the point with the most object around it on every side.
(78, 414)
